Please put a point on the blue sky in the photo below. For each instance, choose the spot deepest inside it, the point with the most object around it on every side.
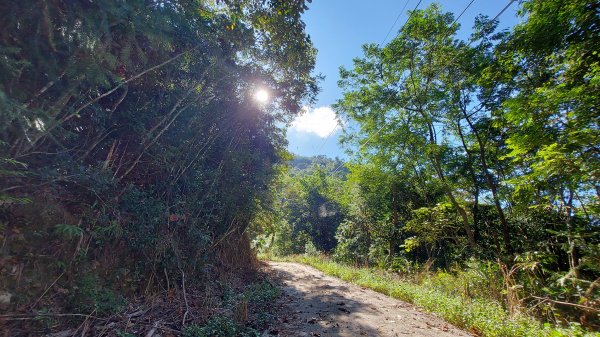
(338, 29)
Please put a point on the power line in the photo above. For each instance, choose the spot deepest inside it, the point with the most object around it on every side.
(394, 24)
(329, 135)
(453, 22)
(503, 10)
(384, 39)
(384, 125)
(463, 12)
(409, 16)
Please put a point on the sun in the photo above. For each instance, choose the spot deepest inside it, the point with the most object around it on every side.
(261, 96)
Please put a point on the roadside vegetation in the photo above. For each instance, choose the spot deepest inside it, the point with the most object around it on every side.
(133, 150)
(468, 298)
(250, 313)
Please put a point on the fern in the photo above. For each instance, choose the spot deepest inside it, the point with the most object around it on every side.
(68, 231)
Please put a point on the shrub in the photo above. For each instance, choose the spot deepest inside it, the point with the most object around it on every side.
(90, 296)
(262, 292)
(219, 326)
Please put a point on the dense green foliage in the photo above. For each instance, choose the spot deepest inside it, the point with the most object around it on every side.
(484, 149)
(132, 152)
(305, 210)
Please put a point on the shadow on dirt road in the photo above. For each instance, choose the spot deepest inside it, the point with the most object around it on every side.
(315, 304)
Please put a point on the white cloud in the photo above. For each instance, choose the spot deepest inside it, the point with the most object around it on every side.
(319, 121)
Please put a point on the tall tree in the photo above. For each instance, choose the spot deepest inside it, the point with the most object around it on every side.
(552, 115)
(398, 92)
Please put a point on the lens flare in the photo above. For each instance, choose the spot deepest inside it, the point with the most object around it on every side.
(262, 96)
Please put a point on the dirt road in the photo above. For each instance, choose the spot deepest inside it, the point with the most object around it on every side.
(315, 304)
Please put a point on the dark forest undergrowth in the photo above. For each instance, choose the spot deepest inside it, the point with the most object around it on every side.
(133, 155)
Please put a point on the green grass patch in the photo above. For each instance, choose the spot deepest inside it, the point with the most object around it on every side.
(484, 317)
(220, 326)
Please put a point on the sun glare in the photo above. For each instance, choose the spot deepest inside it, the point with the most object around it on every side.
(262, 96)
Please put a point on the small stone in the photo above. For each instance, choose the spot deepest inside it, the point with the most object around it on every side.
(5, 299)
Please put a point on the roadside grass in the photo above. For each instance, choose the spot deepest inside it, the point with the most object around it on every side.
(481, 316)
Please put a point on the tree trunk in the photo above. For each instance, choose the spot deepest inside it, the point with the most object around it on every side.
(472, 173)
(455, 204)
(492, 185)
(395, 218)
(438, 168)
(573, 258)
